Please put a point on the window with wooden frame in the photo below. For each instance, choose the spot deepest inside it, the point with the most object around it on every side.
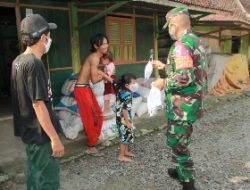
(121, 34)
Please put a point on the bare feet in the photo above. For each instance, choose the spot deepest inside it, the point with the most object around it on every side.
(130, 154)
(124, 159)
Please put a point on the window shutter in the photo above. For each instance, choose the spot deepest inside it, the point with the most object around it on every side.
(115, 39)
(121, 38)
(128, 42)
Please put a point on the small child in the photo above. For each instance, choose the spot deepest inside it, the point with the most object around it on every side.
(125, 86)
(109, 91)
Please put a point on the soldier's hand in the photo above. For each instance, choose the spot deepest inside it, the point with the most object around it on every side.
(57, 148)
(158, 64)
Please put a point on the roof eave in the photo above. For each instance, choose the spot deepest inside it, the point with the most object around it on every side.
(175, 4)
(243, 9)
(225, 23)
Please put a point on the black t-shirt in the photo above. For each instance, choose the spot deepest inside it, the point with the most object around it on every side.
(29, 83)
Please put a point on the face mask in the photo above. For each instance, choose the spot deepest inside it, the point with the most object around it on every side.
(171, 31)
(134, 87)
(47, 46)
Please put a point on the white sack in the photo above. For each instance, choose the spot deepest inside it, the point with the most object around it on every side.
(64, 115)
(142, 109)
(135, 105)
(71, 124)
(72, 132)
(109, 130)
(100, 100)
(68, 87)
(144, 92)
(98, 88)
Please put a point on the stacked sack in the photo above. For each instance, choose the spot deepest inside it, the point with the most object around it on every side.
(69, 114)
(139, 105)
(68, 111)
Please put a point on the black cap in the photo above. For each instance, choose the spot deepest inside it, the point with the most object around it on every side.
(34, 25)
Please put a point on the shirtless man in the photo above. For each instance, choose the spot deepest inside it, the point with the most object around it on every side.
(89, 108)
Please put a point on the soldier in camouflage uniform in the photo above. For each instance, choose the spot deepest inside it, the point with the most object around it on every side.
(184, 88)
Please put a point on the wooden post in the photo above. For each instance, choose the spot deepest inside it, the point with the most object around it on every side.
(18, 23)
(74, 36)
(156, 34)
(220, 39)
(248, 59)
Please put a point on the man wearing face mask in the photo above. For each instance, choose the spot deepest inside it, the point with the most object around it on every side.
(184, 85)
(34, 120)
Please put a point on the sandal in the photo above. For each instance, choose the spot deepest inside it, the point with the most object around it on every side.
(94, 153)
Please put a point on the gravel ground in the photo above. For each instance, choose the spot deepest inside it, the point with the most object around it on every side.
(220, 151)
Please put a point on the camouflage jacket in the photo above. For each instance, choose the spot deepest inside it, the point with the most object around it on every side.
(185, 81)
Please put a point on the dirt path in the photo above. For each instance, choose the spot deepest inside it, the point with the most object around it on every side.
(220, 151)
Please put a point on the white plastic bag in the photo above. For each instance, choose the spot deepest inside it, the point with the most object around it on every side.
(154, 100)
(149, 67)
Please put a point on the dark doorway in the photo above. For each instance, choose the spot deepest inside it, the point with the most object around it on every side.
(9, 50)
(235, 44)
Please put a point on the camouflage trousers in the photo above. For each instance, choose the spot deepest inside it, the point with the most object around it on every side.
(179, 139)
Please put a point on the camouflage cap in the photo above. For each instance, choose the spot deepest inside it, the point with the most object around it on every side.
(173, 12)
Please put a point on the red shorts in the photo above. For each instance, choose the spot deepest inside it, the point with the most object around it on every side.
(90, 113)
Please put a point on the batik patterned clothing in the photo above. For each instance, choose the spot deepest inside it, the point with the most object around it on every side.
(185, 84)
(124, 101)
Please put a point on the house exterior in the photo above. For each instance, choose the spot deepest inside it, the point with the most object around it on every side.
(133, 28)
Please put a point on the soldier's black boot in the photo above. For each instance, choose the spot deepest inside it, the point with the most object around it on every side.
(173, 173)
(188, 185)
